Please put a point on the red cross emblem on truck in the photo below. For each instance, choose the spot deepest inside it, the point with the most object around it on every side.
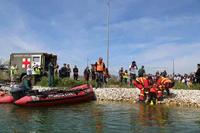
(26, 62)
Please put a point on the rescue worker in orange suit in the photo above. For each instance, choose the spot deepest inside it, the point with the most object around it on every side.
(142, 83)
(152, 94)
(163, 84)
(99, 69)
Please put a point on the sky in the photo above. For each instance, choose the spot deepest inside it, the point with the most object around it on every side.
(151, 32)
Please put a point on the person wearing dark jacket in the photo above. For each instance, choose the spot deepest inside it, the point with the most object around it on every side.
(75, 70)
(63, 71)
(121, 74)
(93, 72)
(197, 74)
(51, 73)
(141, 72)
(87, 74)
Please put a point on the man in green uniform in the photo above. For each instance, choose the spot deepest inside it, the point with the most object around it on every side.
(141, 72)
(27, 82)
(51, 74)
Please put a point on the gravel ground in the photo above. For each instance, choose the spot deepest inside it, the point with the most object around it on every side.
(180, 97)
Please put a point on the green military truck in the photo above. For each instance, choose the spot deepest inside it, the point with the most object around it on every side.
(23, 60)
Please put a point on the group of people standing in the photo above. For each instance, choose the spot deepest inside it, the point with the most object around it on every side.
(30, 72)
(98, 72)
(123, 75)
(65, 71)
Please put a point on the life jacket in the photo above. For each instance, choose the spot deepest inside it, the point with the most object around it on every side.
(125, 75)
(100, 66)
(13, 71)
(37, 71)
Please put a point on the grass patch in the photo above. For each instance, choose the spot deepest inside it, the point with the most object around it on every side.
(63, 82)
(70, 82)
(179, 85)
(113, 83)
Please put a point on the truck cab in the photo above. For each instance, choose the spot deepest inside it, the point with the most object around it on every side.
(23, 60)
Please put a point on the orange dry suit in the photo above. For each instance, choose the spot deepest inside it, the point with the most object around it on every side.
(164, 83)
(142, 84)
(153, 95)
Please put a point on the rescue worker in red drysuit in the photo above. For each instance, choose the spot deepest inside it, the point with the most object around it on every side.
(163, 83)
(142, 83)
(153, 94)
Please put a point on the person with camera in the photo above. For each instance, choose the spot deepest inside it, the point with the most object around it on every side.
(132, 68)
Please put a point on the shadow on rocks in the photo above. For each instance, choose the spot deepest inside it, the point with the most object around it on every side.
(172, 95)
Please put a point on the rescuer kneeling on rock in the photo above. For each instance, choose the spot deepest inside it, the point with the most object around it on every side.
(163, 84)
(142, 83)
(100, 67)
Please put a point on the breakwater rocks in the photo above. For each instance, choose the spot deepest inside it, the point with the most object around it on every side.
(190, 98)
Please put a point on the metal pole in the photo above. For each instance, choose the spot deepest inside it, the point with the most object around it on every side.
(173, 67)
(107, 33)
(1, 61)
(87, 62)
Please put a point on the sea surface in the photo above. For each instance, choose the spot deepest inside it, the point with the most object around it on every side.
(99, 117)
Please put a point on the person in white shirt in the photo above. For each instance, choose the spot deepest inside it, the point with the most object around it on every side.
(29, 70)
(188, 81)
(132, 68)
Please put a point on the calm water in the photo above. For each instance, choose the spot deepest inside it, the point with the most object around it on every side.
(100, 117)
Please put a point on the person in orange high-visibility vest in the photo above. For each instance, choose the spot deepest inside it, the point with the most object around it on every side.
(142, 83)
(163, 84)
(99, 69)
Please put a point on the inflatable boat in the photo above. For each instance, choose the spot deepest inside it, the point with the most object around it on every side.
(52, 97)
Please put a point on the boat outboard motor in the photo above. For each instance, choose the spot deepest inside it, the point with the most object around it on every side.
(17, 91)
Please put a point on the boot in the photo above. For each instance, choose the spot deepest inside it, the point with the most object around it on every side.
(96, 85)
(101, 84)
(168, 93)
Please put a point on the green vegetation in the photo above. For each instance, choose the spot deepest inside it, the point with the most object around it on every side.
(4, 75)
(113, 83)
(68, 83)
(63, 82)
(179, 85)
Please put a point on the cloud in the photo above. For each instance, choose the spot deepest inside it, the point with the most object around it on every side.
(149, 23)
(76, 31)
